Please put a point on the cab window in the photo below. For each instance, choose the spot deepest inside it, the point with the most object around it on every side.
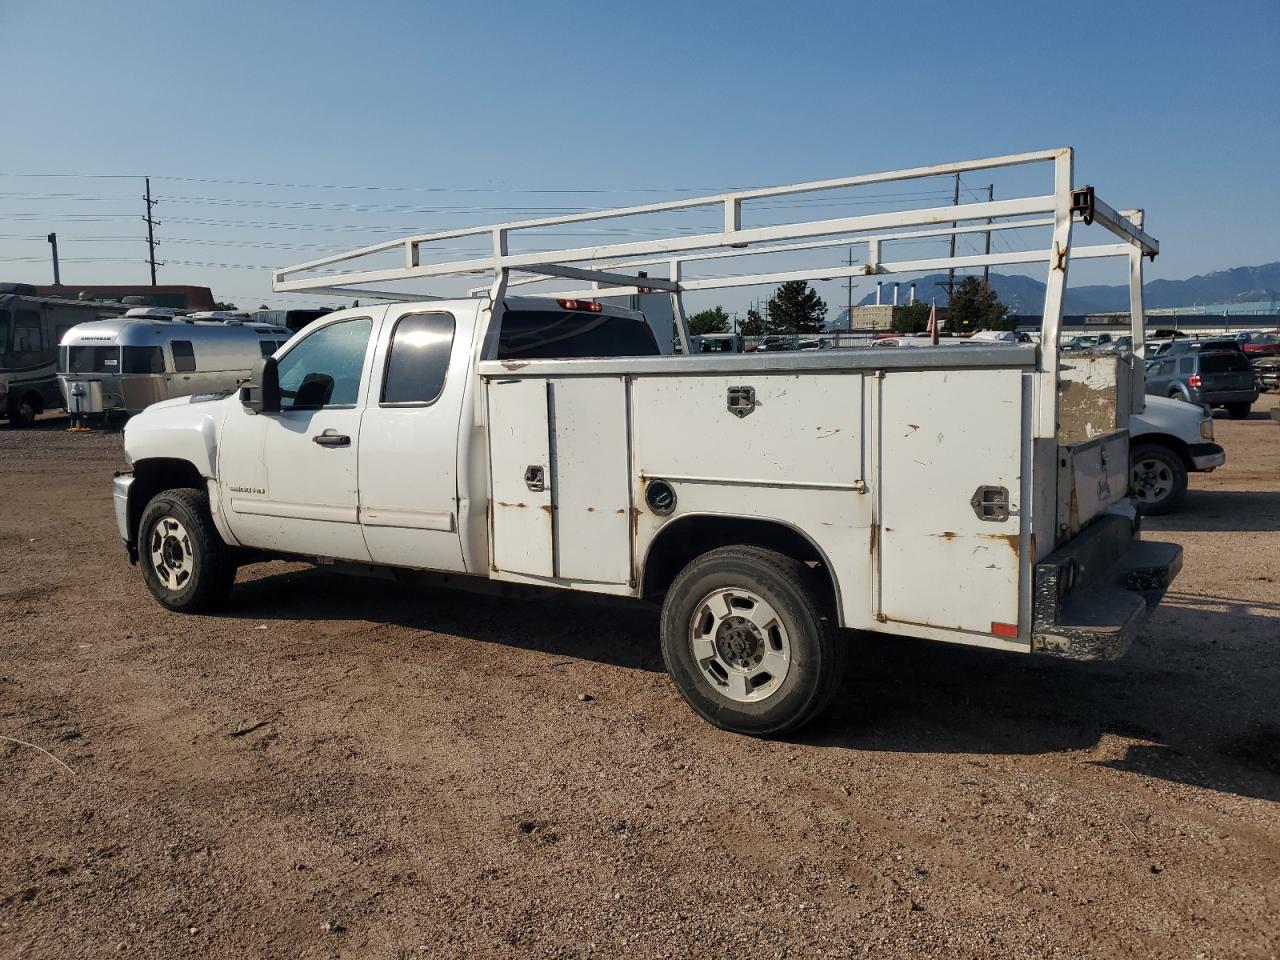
(418, 358)
(323, 369)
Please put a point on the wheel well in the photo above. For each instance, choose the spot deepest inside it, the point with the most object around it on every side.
(154, 475)
(1171, 443)
(688, 537)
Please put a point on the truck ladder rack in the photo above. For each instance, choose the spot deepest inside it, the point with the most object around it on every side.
(607, 267)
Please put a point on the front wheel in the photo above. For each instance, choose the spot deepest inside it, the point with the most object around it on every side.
(1238, 411)
(748, 639)
(185, 564)
(1157, 479)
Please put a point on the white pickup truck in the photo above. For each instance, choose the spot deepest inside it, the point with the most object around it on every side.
(766, 499)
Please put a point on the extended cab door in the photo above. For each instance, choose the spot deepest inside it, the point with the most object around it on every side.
(408, 454)
(288, 479)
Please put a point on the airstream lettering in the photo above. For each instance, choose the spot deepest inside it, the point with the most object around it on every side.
(127, 364)
(30, 328)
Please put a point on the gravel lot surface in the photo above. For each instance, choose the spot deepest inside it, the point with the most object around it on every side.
(340, 767)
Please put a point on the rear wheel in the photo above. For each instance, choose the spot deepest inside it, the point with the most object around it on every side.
(748, 639)
(23, 410)
(1238, 411)
(1157, 479)
(185, 564)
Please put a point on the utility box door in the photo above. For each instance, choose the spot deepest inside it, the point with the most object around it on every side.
(591, 479)
(944, 434)
(520, 477)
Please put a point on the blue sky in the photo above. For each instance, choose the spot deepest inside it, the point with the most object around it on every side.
(1171, 106)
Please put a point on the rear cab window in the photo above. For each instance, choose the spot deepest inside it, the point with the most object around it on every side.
(572, 334)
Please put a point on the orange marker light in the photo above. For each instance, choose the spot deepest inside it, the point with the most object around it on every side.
(1004, 629)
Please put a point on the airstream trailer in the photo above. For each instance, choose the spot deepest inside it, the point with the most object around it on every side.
(126, 364)
(30, 328)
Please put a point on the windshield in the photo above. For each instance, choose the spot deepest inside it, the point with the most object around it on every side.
(552, 334)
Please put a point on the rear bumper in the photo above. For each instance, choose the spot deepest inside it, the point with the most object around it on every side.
(1206, 456)
(1219, 397)
(1093, 593)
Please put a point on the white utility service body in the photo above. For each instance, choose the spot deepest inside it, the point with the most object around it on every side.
(921, 492)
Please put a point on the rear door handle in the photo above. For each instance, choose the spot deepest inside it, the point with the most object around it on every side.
(328, 439)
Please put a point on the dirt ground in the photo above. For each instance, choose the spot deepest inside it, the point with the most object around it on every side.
(342, 767)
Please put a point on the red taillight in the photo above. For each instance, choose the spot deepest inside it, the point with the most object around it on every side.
(590, 306)
(1004, 629)
(1193, 381)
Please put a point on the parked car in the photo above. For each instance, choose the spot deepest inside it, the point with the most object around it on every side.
(1213, 377)
(1255, 345)
(1266, 371)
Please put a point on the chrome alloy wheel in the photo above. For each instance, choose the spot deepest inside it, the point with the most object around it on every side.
(171, 555)
(739, 644)
(1151, 479)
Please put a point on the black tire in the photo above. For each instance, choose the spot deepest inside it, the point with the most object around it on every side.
(1238, 411)
(22, 410)
(199, 569)
(1157, 478)
(817, 654)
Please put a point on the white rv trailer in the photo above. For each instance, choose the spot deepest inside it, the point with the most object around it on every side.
(765, 498)
(124, 365)
(30, 328)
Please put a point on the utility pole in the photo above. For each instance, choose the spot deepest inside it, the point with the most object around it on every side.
(849, 282)
(151, 233)
(986, 269)
(951, 271)
(57, 276)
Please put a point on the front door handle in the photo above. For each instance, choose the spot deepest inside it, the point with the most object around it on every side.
(328, 439)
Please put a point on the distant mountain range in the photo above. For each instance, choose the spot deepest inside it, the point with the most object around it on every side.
(1026, 295)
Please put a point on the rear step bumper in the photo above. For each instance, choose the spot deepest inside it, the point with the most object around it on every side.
(1092, 594)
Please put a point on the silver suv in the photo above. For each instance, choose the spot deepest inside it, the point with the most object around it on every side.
(1215, 377)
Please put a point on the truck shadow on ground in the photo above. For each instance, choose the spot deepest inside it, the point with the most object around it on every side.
(1222, 511)
(1195, 702)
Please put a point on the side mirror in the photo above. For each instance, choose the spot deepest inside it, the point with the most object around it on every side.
(262, 393)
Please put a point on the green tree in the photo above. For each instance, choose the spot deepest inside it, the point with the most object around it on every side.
(219, 305)
(714, 320)
(796, 308)
(975, 306)
(753, 326)
(913, 318)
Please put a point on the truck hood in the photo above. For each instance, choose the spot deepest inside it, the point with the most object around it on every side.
(1174, 417)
